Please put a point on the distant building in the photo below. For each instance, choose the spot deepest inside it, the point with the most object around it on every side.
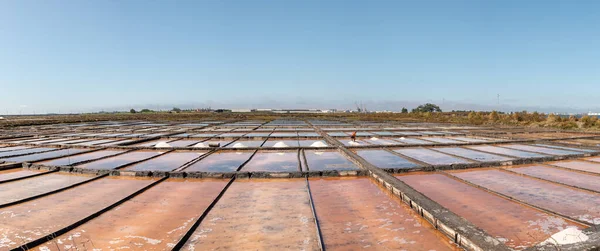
(241, 110)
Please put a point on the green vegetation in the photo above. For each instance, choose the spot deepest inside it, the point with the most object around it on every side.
(146, 111)
(175, 109)
(132, 111)
(427, 108)
(404, 110)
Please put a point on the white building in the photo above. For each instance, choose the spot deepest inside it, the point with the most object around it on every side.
(241, 110)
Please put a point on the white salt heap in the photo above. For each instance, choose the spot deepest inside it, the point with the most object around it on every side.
(200, 145)
(569, 235)
(280, 144)
(239, 145)
(162, 144)
(353, 143)
(318, 144)
(374, 138)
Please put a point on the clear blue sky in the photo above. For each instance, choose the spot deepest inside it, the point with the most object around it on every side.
(80, 55)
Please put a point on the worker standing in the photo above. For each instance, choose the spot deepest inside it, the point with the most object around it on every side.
(353, 136)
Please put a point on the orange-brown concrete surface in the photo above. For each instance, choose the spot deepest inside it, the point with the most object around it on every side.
(31, 220)
(578, 165)
(516, 225)
(356, 214)
(22, 189)
(17, 173)
(576, 203)
(259, 214)
(153, 220)
(573, 178)
(594, 159)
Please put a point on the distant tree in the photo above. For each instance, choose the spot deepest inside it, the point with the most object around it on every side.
(572, 118)
(132, 111)
(552, 118)
(145, 110)
(472, 116)
(404, 110)
(516, 116)
(428, 108)
(494, 116)
(175, 109)
(569, 125)
(589, 121)
(537, 117)
(475, 117)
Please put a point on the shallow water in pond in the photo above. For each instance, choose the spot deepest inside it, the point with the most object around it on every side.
(166, 162)
(80, 157)
(328, 161)
(22, 189)
(578, 165)
(355, 213)
(385, 159)
(575, 203)
(220, 162)
(509, 152)
(273, 162)
(44, 155)
(560, 175)
(119, 160)
(28, 221)
(17, 173)
(257, 214)
(516, 225)
(430, 157)
(153, 220)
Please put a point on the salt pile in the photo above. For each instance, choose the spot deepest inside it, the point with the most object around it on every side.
(200, 145)
(280, 144)
(569, 235)
(318, 144)
(353, 143)
(162, 144)
(239, 145)
(374, 138)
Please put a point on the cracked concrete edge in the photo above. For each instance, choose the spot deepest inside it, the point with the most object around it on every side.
(592, 244)
(195, 175)
(461, 231)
